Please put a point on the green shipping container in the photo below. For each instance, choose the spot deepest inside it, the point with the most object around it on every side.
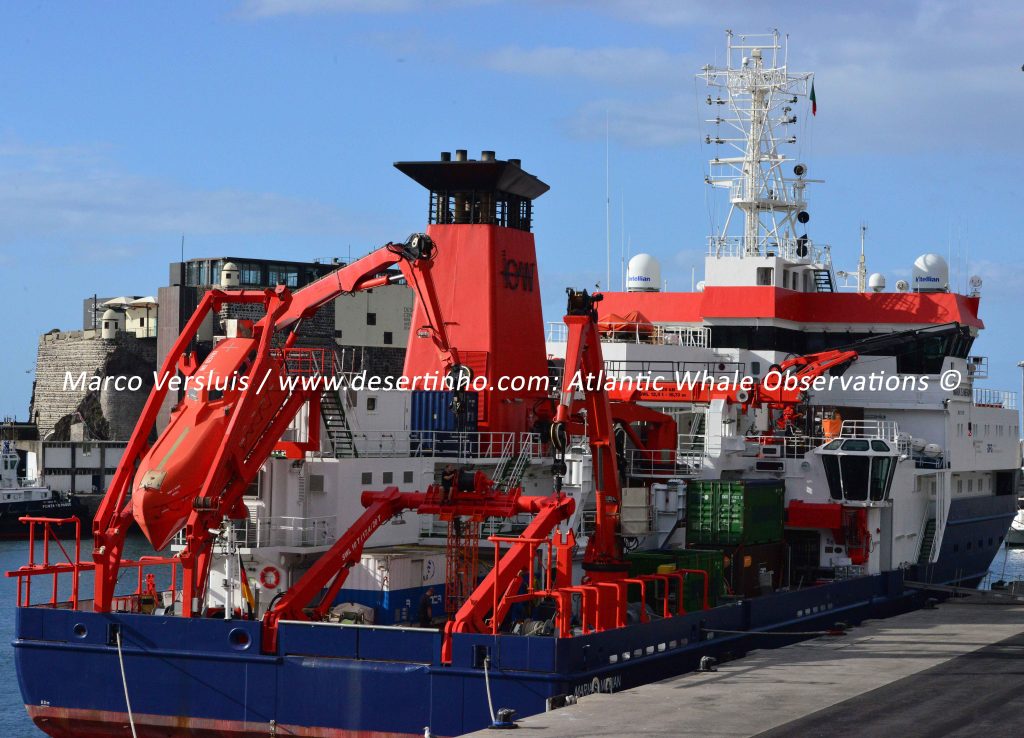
(647, 562)
(733, 512)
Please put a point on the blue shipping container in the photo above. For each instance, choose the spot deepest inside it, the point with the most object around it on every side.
(434, 426)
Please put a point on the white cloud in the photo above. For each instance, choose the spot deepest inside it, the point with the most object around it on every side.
(53, 191)
(667, 123)
(609, 65)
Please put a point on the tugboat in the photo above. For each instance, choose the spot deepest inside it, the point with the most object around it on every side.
(583, 535)
(25, 496)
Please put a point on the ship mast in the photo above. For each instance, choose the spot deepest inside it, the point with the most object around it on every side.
(755, 94)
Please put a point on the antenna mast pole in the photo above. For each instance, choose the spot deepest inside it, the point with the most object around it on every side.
(753, 99)
(862, 268)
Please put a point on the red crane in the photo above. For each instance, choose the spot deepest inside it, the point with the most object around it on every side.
(603, 558)
(235, 409)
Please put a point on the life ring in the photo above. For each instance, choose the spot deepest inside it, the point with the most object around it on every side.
(270, 577)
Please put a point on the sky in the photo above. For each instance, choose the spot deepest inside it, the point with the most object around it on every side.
(268, 128)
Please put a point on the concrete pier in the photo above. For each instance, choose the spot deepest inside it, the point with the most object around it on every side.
(954, 670)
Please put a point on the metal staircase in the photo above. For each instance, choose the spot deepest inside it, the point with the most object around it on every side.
(823, 281)
(332, 410)
(927, 541)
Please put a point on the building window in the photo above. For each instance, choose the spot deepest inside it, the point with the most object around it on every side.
(283, 275)
(388, 337)
(367, 478)
(371, 319)
(407, 477)
(389, 477)
(250, 274)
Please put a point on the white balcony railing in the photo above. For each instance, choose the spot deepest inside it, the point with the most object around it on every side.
(995, 398)
(286, 531)
(445, 444)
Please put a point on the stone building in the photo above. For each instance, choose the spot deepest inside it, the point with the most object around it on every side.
(97, 380)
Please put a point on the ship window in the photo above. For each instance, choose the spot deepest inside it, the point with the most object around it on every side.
(389, 477)
(960, 486)
(879, 446)
(835, 486)
(833, 445)
(855, 445)
(316, 482)
(389, 337)
(765, 276)
(367, 478)
(855, 474)
(371, 319)
(755, 368)
(407, 477)
(371, 404)
(882, 470)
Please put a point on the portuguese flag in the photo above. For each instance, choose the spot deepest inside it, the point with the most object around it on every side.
(814, 100)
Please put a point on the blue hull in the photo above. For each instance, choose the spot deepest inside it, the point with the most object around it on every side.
(208, 678)
(193, 677)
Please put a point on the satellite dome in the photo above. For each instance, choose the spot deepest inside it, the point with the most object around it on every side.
(643, 274)
(930, 274)
(876, 282)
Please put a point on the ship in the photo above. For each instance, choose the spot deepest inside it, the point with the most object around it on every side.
(663, 478)
(26, 496)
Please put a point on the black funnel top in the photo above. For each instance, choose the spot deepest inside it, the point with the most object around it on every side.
(474, 176)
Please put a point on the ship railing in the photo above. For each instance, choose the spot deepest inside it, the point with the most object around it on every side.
(785, 447)
(444, 444)
(282, 531)
(670, 372)
(54, 564)
(662, 463)
(793, 249)
(635, 332)
(977, 367)
(887, 430)
(306, 362)
(984, 397)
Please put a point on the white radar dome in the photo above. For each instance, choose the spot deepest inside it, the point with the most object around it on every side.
(876, 282)
(930, 274)
(643, 274)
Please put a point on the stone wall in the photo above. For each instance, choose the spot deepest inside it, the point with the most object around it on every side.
(109, 414)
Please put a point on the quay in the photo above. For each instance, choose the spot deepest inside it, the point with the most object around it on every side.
(957, 669)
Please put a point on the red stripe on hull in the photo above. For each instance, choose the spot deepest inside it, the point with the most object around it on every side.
(62, 722)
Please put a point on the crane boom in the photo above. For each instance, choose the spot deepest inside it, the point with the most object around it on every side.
(235, 408)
